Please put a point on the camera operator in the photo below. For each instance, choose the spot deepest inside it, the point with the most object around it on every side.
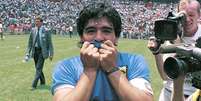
(192, 30)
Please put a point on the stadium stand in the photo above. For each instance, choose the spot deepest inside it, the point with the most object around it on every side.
(138, 16)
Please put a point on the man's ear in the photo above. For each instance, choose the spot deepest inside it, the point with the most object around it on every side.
(81, 39)
(116, 42)
(79, 44)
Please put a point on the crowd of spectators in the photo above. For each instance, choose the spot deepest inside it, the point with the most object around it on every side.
(138, 17)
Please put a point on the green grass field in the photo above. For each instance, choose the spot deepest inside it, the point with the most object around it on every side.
(16, 77)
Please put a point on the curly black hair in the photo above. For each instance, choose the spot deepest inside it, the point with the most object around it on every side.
(98, 10)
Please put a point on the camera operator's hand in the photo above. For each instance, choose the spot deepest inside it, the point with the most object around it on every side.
(153, 45)
(89, 56)
(108, 55)
(181, 13)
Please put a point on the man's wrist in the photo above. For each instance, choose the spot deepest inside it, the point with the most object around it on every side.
(90, 71)
(155, 53)
(114, 69)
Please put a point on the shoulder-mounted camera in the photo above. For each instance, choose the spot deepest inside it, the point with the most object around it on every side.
(170, 27)
(188, 57)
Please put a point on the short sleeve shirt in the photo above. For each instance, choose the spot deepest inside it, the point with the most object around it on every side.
(68, 72)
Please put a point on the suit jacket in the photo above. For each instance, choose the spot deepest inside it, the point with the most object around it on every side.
(45, 42)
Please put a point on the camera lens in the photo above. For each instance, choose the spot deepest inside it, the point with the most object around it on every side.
(174, 67)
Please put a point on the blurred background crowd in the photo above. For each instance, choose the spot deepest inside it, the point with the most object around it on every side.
(138, 16)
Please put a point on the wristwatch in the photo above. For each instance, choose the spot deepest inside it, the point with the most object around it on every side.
(114, 69)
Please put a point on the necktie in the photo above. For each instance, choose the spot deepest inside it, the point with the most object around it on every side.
(38, 39)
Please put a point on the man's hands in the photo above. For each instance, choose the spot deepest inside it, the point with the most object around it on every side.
(50, 57)
(26, 58)
(108, 56)
(153, 45)
(89, 56)
(93, 58)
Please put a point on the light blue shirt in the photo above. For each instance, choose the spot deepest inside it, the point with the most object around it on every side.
(68, 72)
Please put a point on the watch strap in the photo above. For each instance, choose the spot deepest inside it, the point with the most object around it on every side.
(114, 69)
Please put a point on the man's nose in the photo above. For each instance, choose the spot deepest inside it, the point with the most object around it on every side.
(187, 18)
(99, 36)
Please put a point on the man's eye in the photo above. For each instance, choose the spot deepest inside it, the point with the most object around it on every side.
(107, 31)
(191, 15)
(90, 31)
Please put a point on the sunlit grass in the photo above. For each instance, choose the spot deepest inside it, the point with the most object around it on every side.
(16, 76)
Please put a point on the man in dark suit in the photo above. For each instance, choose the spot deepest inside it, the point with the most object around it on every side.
(1, 30)
(39, 48)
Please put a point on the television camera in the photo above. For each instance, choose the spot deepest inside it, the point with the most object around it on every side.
(187, 58)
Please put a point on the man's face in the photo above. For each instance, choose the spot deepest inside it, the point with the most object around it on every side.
(99, 29)
(192, 17)
(38, 22)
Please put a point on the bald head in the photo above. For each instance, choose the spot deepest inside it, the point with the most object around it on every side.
(191, 8)
(196, 4)
(184, 3)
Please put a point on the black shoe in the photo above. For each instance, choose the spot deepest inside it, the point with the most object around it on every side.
(42, 84)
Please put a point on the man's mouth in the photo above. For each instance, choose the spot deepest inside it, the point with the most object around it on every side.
(188, 25)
